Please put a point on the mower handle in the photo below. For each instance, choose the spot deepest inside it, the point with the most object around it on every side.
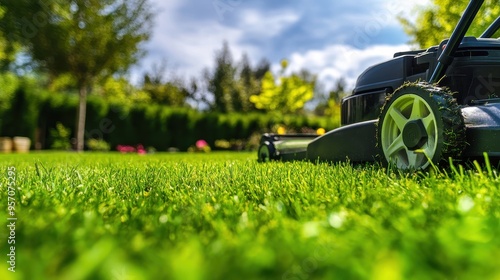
(446, 57)
(490, 31)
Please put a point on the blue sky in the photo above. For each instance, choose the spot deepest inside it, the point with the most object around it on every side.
(332, 39)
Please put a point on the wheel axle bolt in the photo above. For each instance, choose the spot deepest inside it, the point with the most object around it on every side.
(414, 134)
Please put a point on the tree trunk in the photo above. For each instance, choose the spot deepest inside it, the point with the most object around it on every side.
(81, 113)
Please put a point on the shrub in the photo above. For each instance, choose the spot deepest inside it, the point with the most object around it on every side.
(60, 137)
(98, 145)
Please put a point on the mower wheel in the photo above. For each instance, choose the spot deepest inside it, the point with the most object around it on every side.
(420, 124)
(266, 152)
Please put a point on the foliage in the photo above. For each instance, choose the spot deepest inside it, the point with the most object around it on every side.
(64, 83)
(87, 39)
(9, 83)
(437, 21)
(8, 47)
(224, 216)
(168, 93)
(232, 84)
(236, 145)
(3, 41)
(163, 88)
(287, 96)
(119, 90)
(60, 137)
(98, 145)
(330, 106)
(339, 91)
(245, 85)
(7, 89)
(221, 82)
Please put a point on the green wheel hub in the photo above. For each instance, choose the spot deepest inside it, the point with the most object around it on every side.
(410, 124)
(420, 124)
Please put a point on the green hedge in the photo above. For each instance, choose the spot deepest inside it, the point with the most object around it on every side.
(161, 127)
(19, 109)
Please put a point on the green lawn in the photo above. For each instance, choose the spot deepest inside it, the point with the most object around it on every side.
(225, 216)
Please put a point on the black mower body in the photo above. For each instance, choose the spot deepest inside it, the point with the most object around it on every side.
(468, 66)
(474, 76)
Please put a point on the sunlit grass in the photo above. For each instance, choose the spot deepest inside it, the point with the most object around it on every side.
(225, 216)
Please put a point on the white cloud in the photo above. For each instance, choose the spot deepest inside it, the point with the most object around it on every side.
(341, 61)
(189, 44)
(268, 25)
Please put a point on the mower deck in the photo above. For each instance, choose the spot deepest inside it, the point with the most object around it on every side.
(482, 129)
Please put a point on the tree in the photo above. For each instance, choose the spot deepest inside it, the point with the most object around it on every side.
(8, 48)
(87, 39)
(330, 106)
(245, 86)
(437, 21)
(287, 96)
(221, 82)
(162, 89)
(262, 68)
(3, 42)
(231, 84)
(339, 91)
(248, 82)
(196, 96)
(119, 90)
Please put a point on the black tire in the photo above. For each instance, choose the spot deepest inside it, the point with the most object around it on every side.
(266, 152)
(420, 122)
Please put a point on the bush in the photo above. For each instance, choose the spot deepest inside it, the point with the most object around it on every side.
(98, 145)
(9, 84)
(60, 137)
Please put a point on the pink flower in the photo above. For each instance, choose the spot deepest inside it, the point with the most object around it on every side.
(141, 150)
(200, 144)
(125, 149)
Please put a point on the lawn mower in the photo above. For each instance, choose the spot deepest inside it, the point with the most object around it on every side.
(418, 109)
